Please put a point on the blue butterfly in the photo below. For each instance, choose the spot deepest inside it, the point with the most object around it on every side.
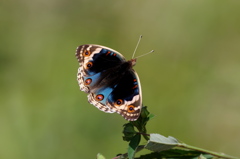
(110, 81)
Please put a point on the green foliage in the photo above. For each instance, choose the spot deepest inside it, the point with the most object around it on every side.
(161, 146)
(140, 124)
(159, 143)
(133, 144)
(128, 132)
(133, 136)
(175, 153)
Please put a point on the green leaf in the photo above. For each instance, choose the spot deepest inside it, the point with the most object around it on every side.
(140, 124)
(159, 143)
(144, 112)
(133, 145)
(100, 156)
(150, 116)
(128, 132)
(201, 157)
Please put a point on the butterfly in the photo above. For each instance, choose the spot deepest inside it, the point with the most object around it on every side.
(110, 81)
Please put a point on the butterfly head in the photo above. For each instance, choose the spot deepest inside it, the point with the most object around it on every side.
(133, 61)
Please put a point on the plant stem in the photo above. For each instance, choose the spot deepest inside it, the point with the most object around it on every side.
(146, 136)
(207, 151)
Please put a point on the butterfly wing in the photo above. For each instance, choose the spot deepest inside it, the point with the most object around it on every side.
(126, 98)
(96, 77)
(93, 60)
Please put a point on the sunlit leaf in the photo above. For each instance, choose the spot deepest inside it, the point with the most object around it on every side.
(100, 156)
(159, 143)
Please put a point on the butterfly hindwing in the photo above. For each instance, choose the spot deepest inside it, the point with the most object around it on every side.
(125, 98)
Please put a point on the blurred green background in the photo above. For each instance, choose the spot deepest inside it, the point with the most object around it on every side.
(191, 82)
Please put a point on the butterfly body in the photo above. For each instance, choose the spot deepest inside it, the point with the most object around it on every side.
(110, 81)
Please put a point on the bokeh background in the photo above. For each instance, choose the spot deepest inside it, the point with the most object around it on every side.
(191, 82)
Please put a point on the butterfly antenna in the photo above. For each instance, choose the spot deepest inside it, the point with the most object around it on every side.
(137, 45)
(145, 54)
